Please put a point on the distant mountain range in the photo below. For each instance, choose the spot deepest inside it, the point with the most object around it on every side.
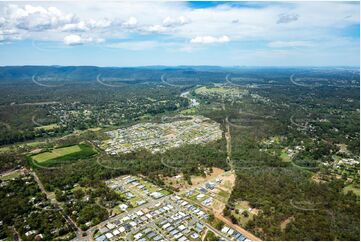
(83, 73)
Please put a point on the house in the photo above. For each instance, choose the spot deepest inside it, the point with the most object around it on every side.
(200, 196)
(174, 232)
(127, 227)
(166, 226)
(123, 206)
(110, 226)
(103, 230)
(39, 237)
(129, 195)
(31, 232)
(151, 235)
(156, 195)
(100, 238)
(182, 227)
(210, 185)
(141, 202)
(157, 238)
(194, 236)
(109, 235)
(198, 227)
(225, 229)
(203, 190)
(177, 236)
(170, 228)
(121, 229)
(138, 236)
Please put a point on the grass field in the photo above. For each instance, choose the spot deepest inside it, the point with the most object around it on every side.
(68, 153)
(284, 156)
(48, 127)
(95, 129)
(189, 111)
(352, 189)
(11, 175)
(5, 149)
(244, 206)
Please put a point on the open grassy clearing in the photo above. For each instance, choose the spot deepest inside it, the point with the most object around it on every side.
(11, 175)
(35, 143)
(284, 156)
(5, 149)
(68, 153)
(189, 111)
(178, 182)
(56, 153)
(48, 127)
(243, 212)
(95, 129)
(353, 189)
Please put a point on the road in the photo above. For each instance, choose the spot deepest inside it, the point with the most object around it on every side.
(236, 227)
(229, 146)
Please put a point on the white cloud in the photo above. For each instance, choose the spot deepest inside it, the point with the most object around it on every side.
(33, 18)
(286, 44)
(171, 22)
(74, 39)
(131, 22)
(157, 28)
(308, 21)
(8, 35)
(210, 39)
(83, 26)
(80, 26)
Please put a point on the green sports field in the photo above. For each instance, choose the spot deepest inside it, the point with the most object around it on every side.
(64, 154)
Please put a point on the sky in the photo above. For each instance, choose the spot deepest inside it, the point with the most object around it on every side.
(121, 33)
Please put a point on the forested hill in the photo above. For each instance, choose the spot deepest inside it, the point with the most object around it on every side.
(150, 73)
(88, 73)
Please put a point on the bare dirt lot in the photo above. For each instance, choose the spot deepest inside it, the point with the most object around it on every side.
(178, 181)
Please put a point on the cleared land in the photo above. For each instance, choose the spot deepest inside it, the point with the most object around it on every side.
(73, 152)
(353, 189)
(220, 91)
(48, 127)
(178, 182)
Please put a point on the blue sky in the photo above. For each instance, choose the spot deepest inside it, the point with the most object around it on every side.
(180, 33)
